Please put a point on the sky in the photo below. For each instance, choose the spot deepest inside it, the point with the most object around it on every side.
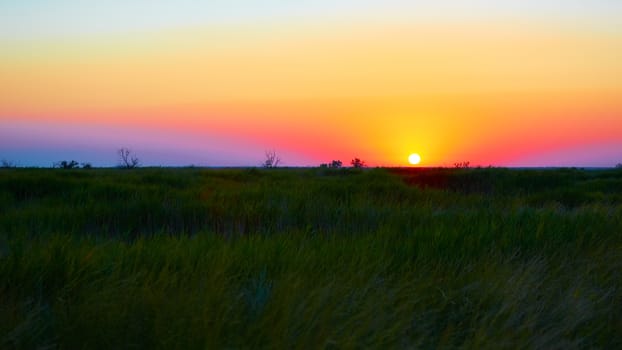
(501, 83)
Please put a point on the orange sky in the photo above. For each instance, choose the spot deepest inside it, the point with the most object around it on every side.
(488, 92)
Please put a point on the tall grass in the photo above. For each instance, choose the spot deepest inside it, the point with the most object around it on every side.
(191, 258)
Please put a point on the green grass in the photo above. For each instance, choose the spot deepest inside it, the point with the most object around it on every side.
(310, 258)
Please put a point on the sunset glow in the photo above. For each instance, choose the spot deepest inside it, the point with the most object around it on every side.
(520, 84)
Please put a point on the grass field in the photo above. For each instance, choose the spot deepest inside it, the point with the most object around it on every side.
(310, 258)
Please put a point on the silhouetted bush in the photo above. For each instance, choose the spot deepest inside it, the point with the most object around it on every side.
(87, 166)
(357, 163)
(63, 164)
(335, 164)
(462, 165)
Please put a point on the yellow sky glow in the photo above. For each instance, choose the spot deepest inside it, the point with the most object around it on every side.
(384, 90)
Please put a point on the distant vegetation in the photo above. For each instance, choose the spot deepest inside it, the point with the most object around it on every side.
(462, 165)
(335, 164)
(65, 164)
(335, 258)
(272, 160)
(7, 164)
(127, 159)
(358, 163)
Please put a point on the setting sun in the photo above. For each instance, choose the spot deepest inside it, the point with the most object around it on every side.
(414, 159)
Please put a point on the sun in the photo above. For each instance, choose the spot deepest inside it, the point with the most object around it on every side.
(414, 159)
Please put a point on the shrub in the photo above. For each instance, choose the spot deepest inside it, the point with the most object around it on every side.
(357, 163)
(462, 165)
(63, 164)
(127, 159)
(335, 164)
(272, 160)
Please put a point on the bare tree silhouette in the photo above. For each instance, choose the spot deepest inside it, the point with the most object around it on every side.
(272, 159)
(127, 159)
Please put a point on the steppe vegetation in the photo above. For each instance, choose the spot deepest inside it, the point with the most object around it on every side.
(310, 258)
